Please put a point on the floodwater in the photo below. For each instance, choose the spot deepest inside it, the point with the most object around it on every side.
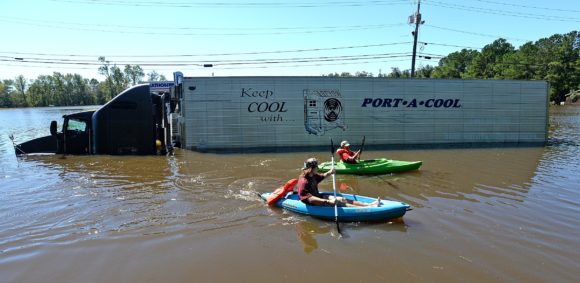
(480, 215)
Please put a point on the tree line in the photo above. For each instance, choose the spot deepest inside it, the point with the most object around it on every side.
(555, 59)
(72, 89)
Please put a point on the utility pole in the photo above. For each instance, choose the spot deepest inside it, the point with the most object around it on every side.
(415, 36)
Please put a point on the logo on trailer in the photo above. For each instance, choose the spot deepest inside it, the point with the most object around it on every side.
(332, 109)
(161, 86)
(323, 111)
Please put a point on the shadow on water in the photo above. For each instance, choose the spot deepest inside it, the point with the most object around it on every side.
(308, 229)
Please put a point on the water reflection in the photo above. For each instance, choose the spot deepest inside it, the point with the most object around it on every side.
(308, 229)
(306, 232)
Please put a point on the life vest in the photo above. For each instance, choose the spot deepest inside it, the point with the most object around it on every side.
(281, 191)
(342, 151)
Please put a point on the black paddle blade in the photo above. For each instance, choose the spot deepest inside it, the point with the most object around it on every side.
(362, 145)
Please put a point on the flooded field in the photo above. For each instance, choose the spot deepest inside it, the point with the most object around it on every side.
(480, 215)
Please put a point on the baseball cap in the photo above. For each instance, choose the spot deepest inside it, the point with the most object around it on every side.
(310, 163)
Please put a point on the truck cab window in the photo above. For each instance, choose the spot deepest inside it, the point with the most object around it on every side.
(76, 125)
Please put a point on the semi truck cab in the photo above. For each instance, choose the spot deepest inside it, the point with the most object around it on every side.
(135, 122)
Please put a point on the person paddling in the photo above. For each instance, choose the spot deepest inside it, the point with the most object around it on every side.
(308, 188)
(347, 155)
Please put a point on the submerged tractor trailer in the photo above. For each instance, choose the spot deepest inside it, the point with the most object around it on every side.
(134, 122)
(268, 114)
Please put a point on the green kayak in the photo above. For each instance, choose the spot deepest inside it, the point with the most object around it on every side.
(371, 166)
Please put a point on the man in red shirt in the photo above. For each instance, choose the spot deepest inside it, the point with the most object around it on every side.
(347, 155)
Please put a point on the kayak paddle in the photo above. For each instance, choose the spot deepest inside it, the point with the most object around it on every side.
(334, 186)
(361, 147)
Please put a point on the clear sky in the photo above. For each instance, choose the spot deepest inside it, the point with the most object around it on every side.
(260, 37)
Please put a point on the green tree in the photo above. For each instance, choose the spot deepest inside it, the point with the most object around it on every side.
(363, 74)
(343, 74)
(561, 63)
(20, 85)
(60, 90)
(153, 76)
(81, 93)
(97, 91)
(103, 92)
(520, 65)
(454, 65)
(488, 63)
(119, 81)
(105, 70)
(115, 80)
(397, 73)
(10, 95)
(134, 73)
(38, 91)
(425, 71)
(5, 99)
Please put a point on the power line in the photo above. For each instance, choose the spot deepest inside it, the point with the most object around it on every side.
(34, 65)
(217, 62)
(475, 33)
(327, 59)
(248, 67)
(157, 27)
(502, 12)
(312, 65)
(119, 29)
(529, 7)
(163, 4)
(451, 45)
(215, 54)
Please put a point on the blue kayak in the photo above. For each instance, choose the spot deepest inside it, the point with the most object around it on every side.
(387, 210)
